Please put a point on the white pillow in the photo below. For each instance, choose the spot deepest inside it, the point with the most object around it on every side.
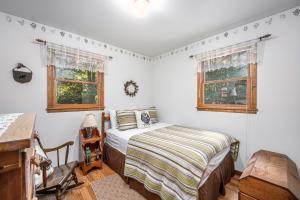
(38, 179)
(143, 119)
(113, 119)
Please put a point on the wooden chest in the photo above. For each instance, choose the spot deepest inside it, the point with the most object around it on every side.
(16, 151)
(269, 176)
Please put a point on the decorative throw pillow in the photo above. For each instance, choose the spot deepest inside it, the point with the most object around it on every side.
(153, 114)
(38, 178)
(126, 119)
(143, 119)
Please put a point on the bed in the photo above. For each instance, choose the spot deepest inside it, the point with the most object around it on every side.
(217, 173)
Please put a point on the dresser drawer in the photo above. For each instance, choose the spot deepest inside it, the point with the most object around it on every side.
(10, 175)
(10, 160)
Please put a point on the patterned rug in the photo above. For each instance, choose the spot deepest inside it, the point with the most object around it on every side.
(114, 188)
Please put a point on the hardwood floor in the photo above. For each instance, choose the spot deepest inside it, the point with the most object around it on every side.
(85, 191)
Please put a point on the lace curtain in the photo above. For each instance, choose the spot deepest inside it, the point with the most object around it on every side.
(70, 58)
(233, 56)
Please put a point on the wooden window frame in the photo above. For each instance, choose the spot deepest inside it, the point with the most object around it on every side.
(250, 107)
(53, 106)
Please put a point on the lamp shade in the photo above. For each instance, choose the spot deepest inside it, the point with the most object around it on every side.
(89, 121)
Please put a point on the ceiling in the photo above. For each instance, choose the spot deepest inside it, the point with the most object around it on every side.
(169, 24)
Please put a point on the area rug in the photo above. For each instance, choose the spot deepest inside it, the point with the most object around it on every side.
(114, 188)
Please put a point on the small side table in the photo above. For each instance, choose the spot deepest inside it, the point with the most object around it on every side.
(95, 143)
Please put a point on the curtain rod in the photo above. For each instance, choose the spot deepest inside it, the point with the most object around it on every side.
(261, 38)
(44, 42)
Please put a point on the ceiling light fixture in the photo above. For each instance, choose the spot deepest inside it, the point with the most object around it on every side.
(141, 6)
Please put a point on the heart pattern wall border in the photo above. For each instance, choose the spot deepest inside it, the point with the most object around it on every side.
(295, 12)
(67, 35)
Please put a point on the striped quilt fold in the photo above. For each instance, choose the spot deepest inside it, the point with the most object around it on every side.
(170, 161)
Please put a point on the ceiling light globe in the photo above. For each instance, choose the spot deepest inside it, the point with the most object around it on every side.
(141, 6)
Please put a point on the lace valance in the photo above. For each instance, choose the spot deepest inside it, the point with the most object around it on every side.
(232, 56)
(70, 58)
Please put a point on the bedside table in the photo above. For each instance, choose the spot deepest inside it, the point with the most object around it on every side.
(95, 143)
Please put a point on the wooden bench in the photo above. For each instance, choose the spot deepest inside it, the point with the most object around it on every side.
(269, 176)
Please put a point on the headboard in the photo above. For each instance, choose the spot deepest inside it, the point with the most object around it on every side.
(104, 118)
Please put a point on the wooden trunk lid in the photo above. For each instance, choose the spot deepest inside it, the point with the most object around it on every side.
(271, 176)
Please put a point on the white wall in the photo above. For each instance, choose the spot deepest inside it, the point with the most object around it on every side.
(276, 125)
(55, 128)
(170, 84)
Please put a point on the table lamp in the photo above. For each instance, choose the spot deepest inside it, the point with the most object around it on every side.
(89, 124)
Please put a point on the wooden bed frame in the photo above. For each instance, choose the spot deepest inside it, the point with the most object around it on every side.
(210, 190)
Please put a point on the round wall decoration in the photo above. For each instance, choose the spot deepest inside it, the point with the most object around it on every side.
(131, 88)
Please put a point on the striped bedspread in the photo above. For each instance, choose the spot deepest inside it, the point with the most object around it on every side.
(170, 161)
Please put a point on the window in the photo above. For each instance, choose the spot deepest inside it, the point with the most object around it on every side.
(74, 85)
(227, 81)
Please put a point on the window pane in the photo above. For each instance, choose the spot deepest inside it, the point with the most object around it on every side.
(76, 93)
(231, 92)
(76, 74)
(226, 73)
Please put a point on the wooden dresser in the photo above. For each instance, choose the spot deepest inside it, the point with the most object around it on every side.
(16, 151)
(269, 176)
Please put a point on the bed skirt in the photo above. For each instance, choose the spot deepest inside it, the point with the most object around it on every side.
(210, 190)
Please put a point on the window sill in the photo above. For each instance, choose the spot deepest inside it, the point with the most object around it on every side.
(231, 110)
(53, 110)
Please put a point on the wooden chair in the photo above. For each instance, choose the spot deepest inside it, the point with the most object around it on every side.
(60, 180)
